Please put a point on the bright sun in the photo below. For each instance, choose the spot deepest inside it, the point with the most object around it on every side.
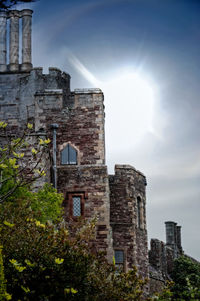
(129, 105)
(129, 100)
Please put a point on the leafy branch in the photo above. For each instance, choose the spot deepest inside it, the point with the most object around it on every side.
(21, 160)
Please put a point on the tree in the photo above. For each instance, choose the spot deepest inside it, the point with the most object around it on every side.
(3, 293)
(8, 4)
(186, 282)
(21, 160)
(186, 277)
(52, 262)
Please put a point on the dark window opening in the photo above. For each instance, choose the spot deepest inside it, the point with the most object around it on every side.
(69, 155)
(139, 220)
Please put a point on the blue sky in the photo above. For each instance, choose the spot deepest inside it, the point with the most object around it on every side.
(103, 43)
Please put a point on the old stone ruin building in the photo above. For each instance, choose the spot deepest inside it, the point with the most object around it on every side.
(162, 255)
(74, 121)
(77, 117)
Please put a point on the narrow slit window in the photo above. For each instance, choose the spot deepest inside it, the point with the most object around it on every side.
(69, 155)
(139, 220)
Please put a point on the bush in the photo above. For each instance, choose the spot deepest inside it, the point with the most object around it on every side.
(186, 282)
(48, 262)
(186, 277)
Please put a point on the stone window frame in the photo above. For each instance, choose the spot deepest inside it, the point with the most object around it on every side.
(125, 257)
(83, 196)
(61, 148)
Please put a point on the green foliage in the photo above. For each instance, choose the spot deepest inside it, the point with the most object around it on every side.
(165, 295)
(186, 277)
(2, 278)
(47, 262)
(186, 282)
(46, 204)
(18, 171)
(3, 293)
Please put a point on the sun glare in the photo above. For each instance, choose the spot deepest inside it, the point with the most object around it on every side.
(129, 100)
(129, 105)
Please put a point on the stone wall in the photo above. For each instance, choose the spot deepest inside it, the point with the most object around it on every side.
(28, 95)
(125, 187)
(81, 123)
(162, 256)
(17, 92)
(45, 99)
(92, 183)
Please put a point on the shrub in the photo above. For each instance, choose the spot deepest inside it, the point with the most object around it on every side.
(48, 262)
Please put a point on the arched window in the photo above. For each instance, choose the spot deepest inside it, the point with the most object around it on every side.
(139, 209)
(69, 155)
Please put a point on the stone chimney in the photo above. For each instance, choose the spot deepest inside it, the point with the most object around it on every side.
(14, 40)
(170, 233)
(173, 237)
(3, 32)
(26, 15)
(13, 17)
(178, 232)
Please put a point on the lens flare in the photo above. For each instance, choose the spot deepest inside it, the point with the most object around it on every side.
(129, 105)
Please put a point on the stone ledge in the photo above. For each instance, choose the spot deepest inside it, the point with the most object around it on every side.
(49, 92)
(88, 91)
(74, 166)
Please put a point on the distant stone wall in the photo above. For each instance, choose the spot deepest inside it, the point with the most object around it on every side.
(161, 259)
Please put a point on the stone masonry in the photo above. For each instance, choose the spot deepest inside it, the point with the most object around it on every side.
(162, 256)
(74, 121)
(128, 216)
(117, 201)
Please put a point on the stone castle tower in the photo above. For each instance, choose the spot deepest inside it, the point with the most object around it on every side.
(76, 120)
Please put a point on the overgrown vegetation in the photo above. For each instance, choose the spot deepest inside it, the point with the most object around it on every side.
(186, 282)
(186, 277)
(43, 261)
